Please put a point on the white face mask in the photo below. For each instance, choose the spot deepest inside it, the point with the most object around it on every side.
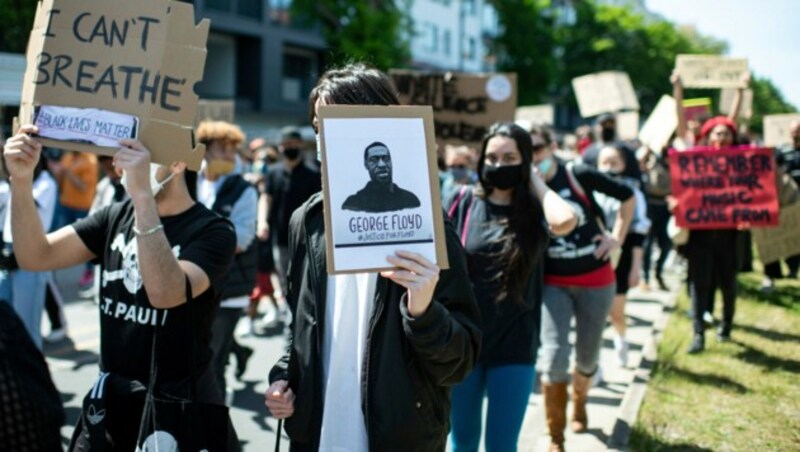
(155, 185)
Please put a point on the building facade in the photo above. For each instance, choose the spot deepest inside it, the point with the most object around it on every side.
(452, 35)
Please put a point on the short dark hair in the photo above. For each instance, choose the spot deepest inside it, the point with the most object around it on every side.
(353, 84)
(291, 133)
(375, 144)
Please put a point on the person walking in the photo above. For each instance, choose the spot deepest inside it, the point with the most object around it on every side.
(371, 356)
(580, 284)
(504, 223)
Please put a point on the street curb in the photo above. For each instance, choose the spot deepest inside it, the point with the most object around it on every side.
(634, 396)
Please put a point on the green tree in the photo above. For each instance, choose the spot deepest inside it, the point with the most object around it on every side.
(375, 31)
(17, 19)
(767, 100)
(525, 45)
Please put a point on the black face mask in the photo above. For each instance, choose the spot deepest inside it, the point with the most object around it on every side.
(291, 153)
(607, 135)
(503, 177)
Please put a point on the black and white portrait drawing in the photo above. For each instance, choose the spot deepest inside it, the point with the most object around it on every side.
(380, 194)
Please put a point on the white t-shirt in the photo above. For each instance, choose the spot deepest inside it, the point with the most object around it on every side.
(348, 309)
(45, 193)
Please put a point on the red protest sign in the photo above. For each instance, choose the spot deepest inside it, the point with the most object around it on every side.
(724, 188)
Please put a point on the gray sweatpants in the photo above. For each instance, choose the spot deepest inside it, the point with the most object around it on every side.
(590, 307)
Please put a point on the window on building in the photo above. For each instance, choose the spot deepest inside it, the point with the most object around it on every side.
(446, 42)
(219, 5)
(470, 7)
(429, 36)
(299, 72)
(471, 52)
(250, 8)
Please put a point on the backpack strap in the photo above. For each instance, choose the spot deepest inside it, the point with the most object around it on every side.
(576, 186)
(455, 207)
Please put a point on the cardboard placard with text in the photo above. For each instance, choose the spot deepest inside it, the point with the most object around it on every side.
(101, 70)
(781, 242)
(776, 129)
(215, 110)
(464, 105)
(604, 92)
(535, 115)
(660, 125)
(724, 188)
(711, 71)
(726, 96)
(380, 185)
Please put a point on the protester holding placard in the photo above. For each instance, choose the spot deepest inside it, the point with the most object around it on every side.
(504, 223)
(371, 357)
(164, 260)
(611, 161)
(580, 283)
(657, 186)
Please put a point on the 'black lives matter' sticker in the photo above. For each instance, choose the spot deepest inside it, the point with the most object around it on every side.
(85, 125)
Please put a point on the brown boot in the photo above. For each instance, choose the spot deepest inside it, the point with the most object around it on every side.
(555, 407)
(580, 392)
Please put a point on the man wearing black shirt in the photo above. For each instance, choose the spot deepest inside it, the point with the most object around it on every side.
(163, 259)
(288, 185)
(380, 194)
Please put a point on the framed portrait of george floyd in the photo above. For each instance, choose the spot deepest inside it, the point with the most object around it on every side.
(380, 185)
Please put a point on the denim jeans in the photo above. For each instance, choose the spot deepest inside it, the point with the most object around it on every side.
(590, 307)
(24, 291)
(507, 388)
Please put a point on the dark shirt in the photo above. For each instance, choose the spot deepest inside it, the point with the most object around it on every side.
(375, 197)
(573, 254)
(127, 318)
(288, 190)
(510, 328)
(789, 158)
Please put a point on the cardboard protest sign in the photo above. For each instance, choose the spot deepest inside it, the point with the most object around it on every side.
(781, 242)
(697, 109)
(627, 125)
(215, 110)
(726, 102)
(724, 188)
(660, 125)
(711, 71)
(97, 67)
(464, 105)
(542, 115)
(776, 129)
(604, 92)
(380, 186)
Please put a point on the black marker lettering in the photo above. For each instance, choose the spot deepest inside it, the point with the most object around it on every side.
(76, 24)
(62, 62)
(48, 32)
(146, 29)
(82, 74)
(166, 92)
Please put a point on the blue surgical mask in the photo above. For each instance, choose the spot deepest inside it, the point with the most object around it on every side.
(460, 174)
(545, 165)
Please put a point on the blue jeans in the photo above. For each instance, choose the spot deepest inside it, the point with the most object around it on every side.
(24, 291)
(507, 388)
(590, 307)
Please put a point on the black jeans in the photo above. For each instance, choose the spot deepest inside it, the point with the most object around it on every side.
(659, 217)
(713, 264)
(222, 340)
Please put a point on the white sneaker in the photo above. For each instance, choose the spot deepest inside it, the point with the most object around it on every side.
(708, 318)
(621, 348)
(597, 378)
(56, 335)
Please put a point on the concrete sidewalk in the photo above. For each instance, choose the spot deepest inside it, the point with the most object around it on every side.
(614, 404)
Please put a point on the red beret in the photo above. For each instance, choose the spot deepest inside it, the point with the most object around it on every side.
(715, 121)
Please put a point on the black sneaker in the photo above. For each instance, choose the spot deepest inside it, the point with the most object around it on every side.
(241, 361)
(698, 344)
(723, 335)
(661, 285)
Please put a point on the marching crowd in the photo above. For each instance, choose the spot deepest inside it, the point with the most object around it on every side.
(544, 232)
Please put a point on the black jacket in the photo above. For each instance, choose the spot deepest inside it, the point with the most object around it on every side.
(409, 364)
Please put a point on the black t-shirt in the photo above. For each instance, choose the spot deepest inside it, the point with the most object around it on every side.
(510, 328)
(573, 254)
(288, 190)
(127, 319)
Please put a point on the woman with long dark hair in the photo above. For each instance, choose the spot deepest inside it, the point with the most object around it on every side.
(503, 224)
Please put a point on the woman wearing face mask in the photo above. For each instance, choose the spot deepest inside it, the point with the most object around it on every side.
(503, 224)
(459, 162)
(611, 161)
(580, 283)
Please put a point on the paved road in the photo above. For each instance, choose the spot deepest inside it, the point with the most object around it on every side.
(73, 364)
